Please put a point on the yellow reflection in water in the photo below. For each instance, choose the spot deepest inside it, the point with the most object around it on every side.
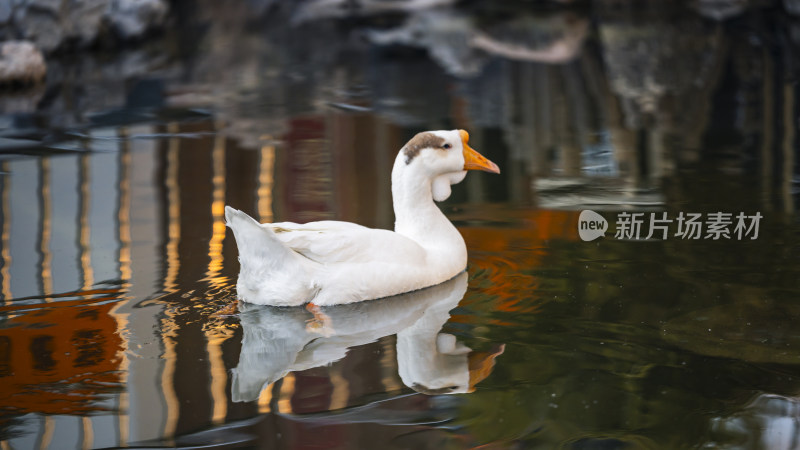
(341, 389)
(122, 418)
(285, 398)
(265, 181)
(390, 379)
(169, 333)
(217, 213)
(219, 376)
(44, 240)
(264, 399)
(125, 209)
(47, 434)
(173, 210)
(88, 433)
(124, 261)
(84, 239)
(6, 242)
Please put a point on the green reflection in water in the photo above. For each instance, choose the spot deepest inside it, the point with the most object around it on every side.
(646, 344)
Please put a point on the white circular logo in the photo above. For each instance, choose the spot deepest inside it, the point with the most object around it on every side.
(591, 225)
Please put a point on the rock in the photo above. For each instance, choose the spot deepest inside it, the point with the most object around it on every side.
(792, 6)
(446, 34)
(5, 12)
(41, 27)
(721, 10)
(133, 18)
(83, 20)
(51, 6)
(52, 24)
(655, 58)
(313, 10)
(21, 62)
(553, 39)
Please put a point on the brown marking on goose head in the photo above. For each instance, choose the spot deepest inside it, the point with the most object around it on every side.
(423, 140)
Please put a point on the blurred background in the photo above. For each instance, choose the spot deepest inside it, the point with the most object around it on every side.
(127, 125)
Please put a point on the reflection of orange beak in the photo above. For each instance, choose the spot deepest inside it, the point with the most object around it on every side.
(480, 365)
(474, 160)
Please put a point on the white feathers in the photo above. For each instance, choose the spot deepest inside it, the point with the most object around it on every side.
(441, 184)
(270, 273)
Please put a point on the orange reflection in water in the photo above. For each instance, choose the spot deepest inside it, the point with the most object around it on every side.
(506, 281)
(57, 359)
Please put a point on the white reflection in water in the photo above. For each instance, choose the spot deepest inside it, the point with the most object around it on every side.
(279, 340)
(770, 421)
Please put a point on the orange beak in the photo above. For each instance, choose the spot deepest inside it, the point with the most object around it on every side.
(474, 160)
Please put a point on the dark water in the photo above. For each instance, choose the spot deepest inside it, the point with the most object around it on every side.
(115, 255)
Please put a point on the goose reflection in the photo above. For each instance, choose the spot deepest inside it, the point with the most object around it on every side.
(279, 340)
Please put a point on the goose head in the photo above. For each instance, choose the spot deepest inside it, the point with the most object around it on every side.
(443, 157)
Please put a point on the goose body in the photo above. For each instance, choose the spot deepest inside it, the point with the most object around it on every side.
(334, 262)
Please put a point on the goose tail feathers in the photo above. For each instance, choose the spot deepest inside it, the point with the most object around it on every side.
(270, 270)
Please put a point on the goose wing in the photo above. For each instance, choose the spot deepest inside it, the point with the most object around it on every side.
(332, 241)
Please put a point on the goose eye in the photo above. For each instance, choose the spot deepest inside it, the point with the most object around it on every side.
(447, 146)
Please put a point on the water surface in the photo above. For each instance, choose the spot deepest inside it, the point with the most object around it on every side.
(115, 255)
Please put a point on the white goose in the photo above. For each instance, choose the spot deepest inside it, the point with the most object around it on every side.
(331, 262)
